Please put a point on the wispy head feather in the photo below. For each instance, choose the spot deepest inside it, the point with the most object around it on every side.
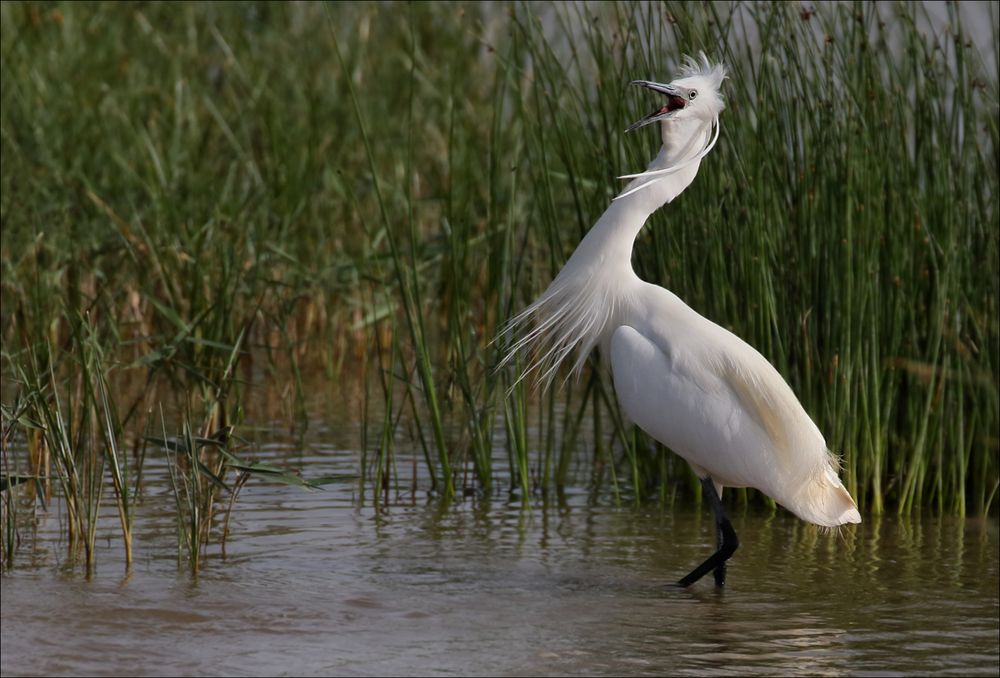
(706, 77)
(713, 73)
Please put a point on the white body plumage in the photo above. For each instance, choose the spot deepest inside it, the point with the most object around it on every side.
(689, 383)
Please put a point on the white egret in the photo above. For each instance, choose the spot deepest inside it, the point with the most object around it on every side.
(689, 383)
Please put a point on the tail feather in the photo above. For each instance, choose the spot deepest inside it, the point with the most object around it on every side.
(825, 501)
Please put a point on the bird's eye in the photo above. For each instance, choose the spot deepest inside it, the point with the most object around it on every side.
(692, 94)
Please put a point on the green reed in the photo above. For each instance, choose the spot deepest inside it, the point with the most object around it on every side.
(190, 191)
(830, 229)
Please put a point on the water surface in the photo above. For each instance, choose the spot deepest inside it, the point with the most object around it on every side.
(314, 584)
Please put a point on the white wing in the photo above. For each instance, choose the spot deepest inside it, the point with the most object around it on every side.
(715, 401)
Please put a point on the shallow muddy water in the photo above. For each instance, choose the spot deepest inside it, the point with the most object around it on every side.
(313, 584)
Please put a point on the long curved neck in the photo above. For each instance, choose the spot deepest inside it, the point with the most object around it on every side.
(590, 296)
(609, 243)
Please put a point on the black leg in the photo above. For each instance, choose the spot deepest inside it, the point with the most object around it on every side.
(725, 539)
(720, 570)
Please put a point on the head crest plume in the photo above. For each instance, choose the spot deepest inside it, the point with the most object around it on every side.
(714, 73)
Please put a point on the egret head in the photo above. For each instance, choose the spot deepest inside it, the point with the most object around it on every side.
(693, 96)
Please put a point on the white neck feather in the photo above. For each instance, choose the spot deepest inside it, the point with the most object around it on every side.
(592, 292)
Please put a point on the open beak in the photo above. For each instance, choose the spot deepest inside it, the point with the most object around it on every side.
(676, 100)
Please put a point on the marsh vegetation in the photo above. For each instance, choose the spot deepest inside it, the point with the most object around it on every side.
(204, 204)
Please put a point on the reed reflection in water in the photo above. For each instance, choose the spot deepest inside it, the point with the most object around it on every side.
(313, 584)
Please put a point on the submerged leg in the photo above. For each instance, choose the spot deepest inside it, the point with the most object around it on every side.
(720, 541)
(725, 539)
